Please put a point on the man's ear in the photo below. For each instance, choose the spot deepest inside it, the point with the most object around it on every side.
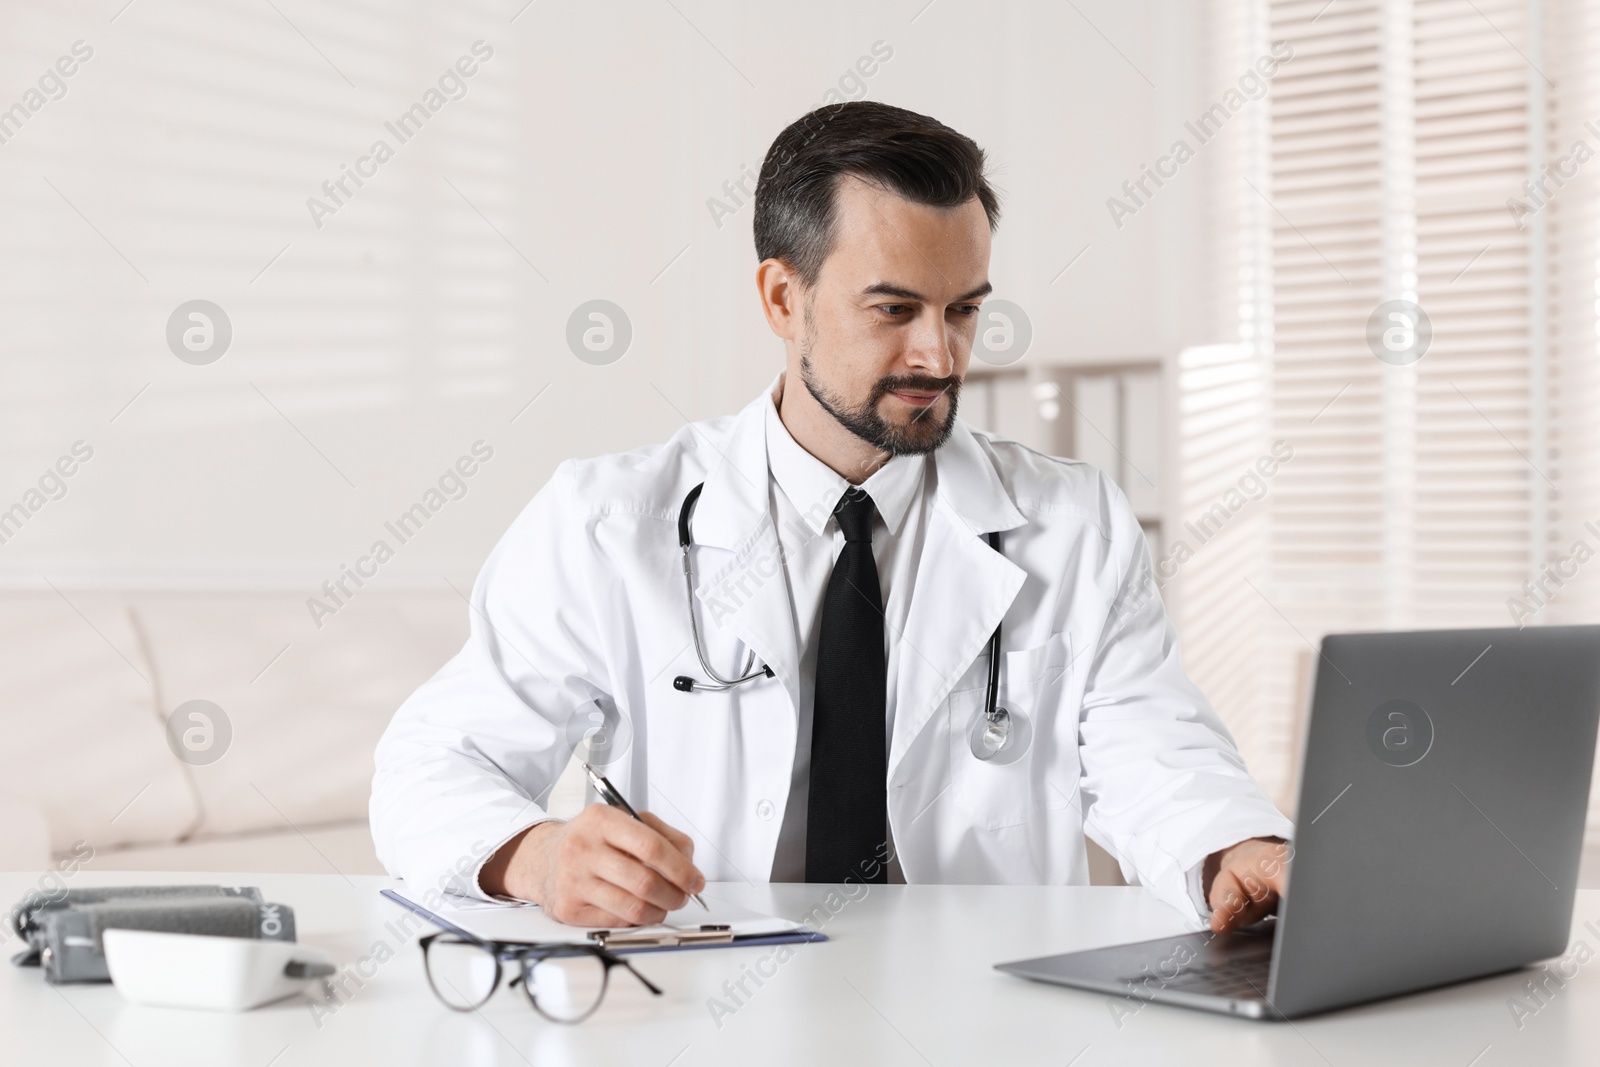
(781, 297)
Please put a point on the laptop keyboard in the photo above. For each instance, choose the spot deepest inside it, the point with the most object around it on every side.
(1239, 976)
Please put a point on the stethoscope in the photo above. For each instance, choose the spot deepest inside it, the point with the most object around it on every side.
(991, 737)
(718, 684)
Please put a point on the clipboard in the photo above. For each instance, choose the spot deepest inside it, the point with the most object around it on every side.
(684, 931)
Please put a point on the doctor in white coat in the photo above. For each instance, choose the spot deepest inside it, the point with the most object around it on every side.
(840, 554)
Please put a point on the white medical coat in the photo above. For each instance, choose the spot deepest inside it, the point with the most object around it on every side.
(579, 618)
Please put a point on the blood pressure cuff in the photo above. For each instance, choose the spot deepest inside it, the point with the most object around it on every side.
(63, 932)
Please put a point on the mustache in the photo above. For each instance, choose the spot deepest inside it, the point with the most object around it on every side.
(922, 383)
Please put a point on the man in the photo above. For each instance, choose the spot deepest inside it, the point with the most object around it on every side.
(841, 565)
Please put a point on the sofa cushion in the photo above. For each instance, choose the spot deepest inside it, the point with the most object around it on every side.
(84, 743)
(305, 705)
(346, 847)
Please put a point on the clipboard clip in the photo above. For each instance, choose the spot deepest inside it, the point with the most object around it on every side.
(706, 934)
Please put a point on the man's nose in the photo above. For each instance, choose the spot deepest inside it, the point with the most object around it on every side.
(932, 348)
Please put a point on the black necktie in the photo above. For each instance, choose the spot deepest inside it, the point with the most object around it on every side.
(847, 813)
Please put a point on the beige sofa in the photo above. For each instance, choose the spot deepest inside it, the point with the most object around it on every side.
(91, 677)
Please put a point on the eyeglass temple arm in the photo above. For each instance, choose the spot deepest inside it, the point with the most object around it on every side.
(612, 959)
(631, 970)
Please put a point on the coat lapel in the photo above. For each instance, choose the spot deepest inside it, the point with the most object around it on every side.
(963, 587)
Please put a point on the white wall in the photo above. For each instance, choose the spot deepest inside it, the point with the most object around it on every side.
(375, 350)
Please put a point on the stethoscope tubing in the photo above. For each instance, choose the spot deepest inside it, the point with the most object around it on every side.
(718, 684)
(991, 699)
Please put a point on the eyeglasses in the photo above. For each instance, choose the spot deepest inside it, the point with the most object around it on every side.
(564, 983)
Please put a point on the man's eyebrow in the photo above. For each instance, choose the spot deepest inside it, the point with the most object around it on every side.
(902, 293)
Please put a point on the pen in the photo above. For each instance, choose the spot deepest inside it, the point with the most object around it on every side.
(609, 794)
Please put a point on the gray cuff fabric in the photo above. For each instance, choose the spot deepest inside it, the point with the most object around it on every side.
(1196, 893)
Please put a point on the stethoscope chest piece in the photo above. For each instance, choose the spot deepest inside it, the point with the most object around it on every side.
(999, 737)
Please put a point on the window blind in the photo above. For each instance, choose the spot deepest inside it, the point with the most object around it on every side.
(1400, 142)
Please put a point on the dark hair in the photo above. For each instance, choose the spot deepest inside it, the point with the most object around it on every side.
(911, 155)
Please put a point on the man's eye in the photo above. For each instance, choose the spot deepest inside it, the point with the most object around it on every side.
(966, 309)
(894, 309)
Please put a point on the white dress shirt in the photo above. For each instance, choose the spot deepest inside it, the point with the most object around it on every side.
(804, 492)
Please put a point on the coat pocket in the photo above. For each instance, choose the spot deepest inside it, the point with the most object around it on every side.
(1009, 789)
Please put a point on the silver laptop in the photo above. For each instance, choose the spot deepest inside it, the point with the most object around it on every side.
(1443, 788)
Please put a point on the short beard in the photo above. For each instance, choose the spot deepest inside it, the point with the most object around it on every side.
(917, 437)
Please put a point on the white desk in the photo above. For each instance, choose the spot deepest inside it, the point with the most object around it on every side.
(906, 979)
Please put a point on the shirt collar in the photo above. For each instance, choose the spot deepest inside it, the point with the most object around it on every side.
(814, 488)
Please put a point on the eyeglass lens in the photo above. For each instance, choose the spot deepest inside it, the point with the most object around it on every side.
(565, 989)
(463, 973)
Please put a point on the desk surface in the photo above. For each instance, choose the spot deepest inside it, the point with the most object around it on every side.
(906, 978)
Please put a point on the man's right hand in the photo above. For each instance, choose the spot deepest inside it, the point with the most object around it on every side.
(603, 868)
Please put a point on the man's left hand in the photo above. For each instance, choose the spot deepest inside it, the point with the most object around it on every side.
(1243, 882)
